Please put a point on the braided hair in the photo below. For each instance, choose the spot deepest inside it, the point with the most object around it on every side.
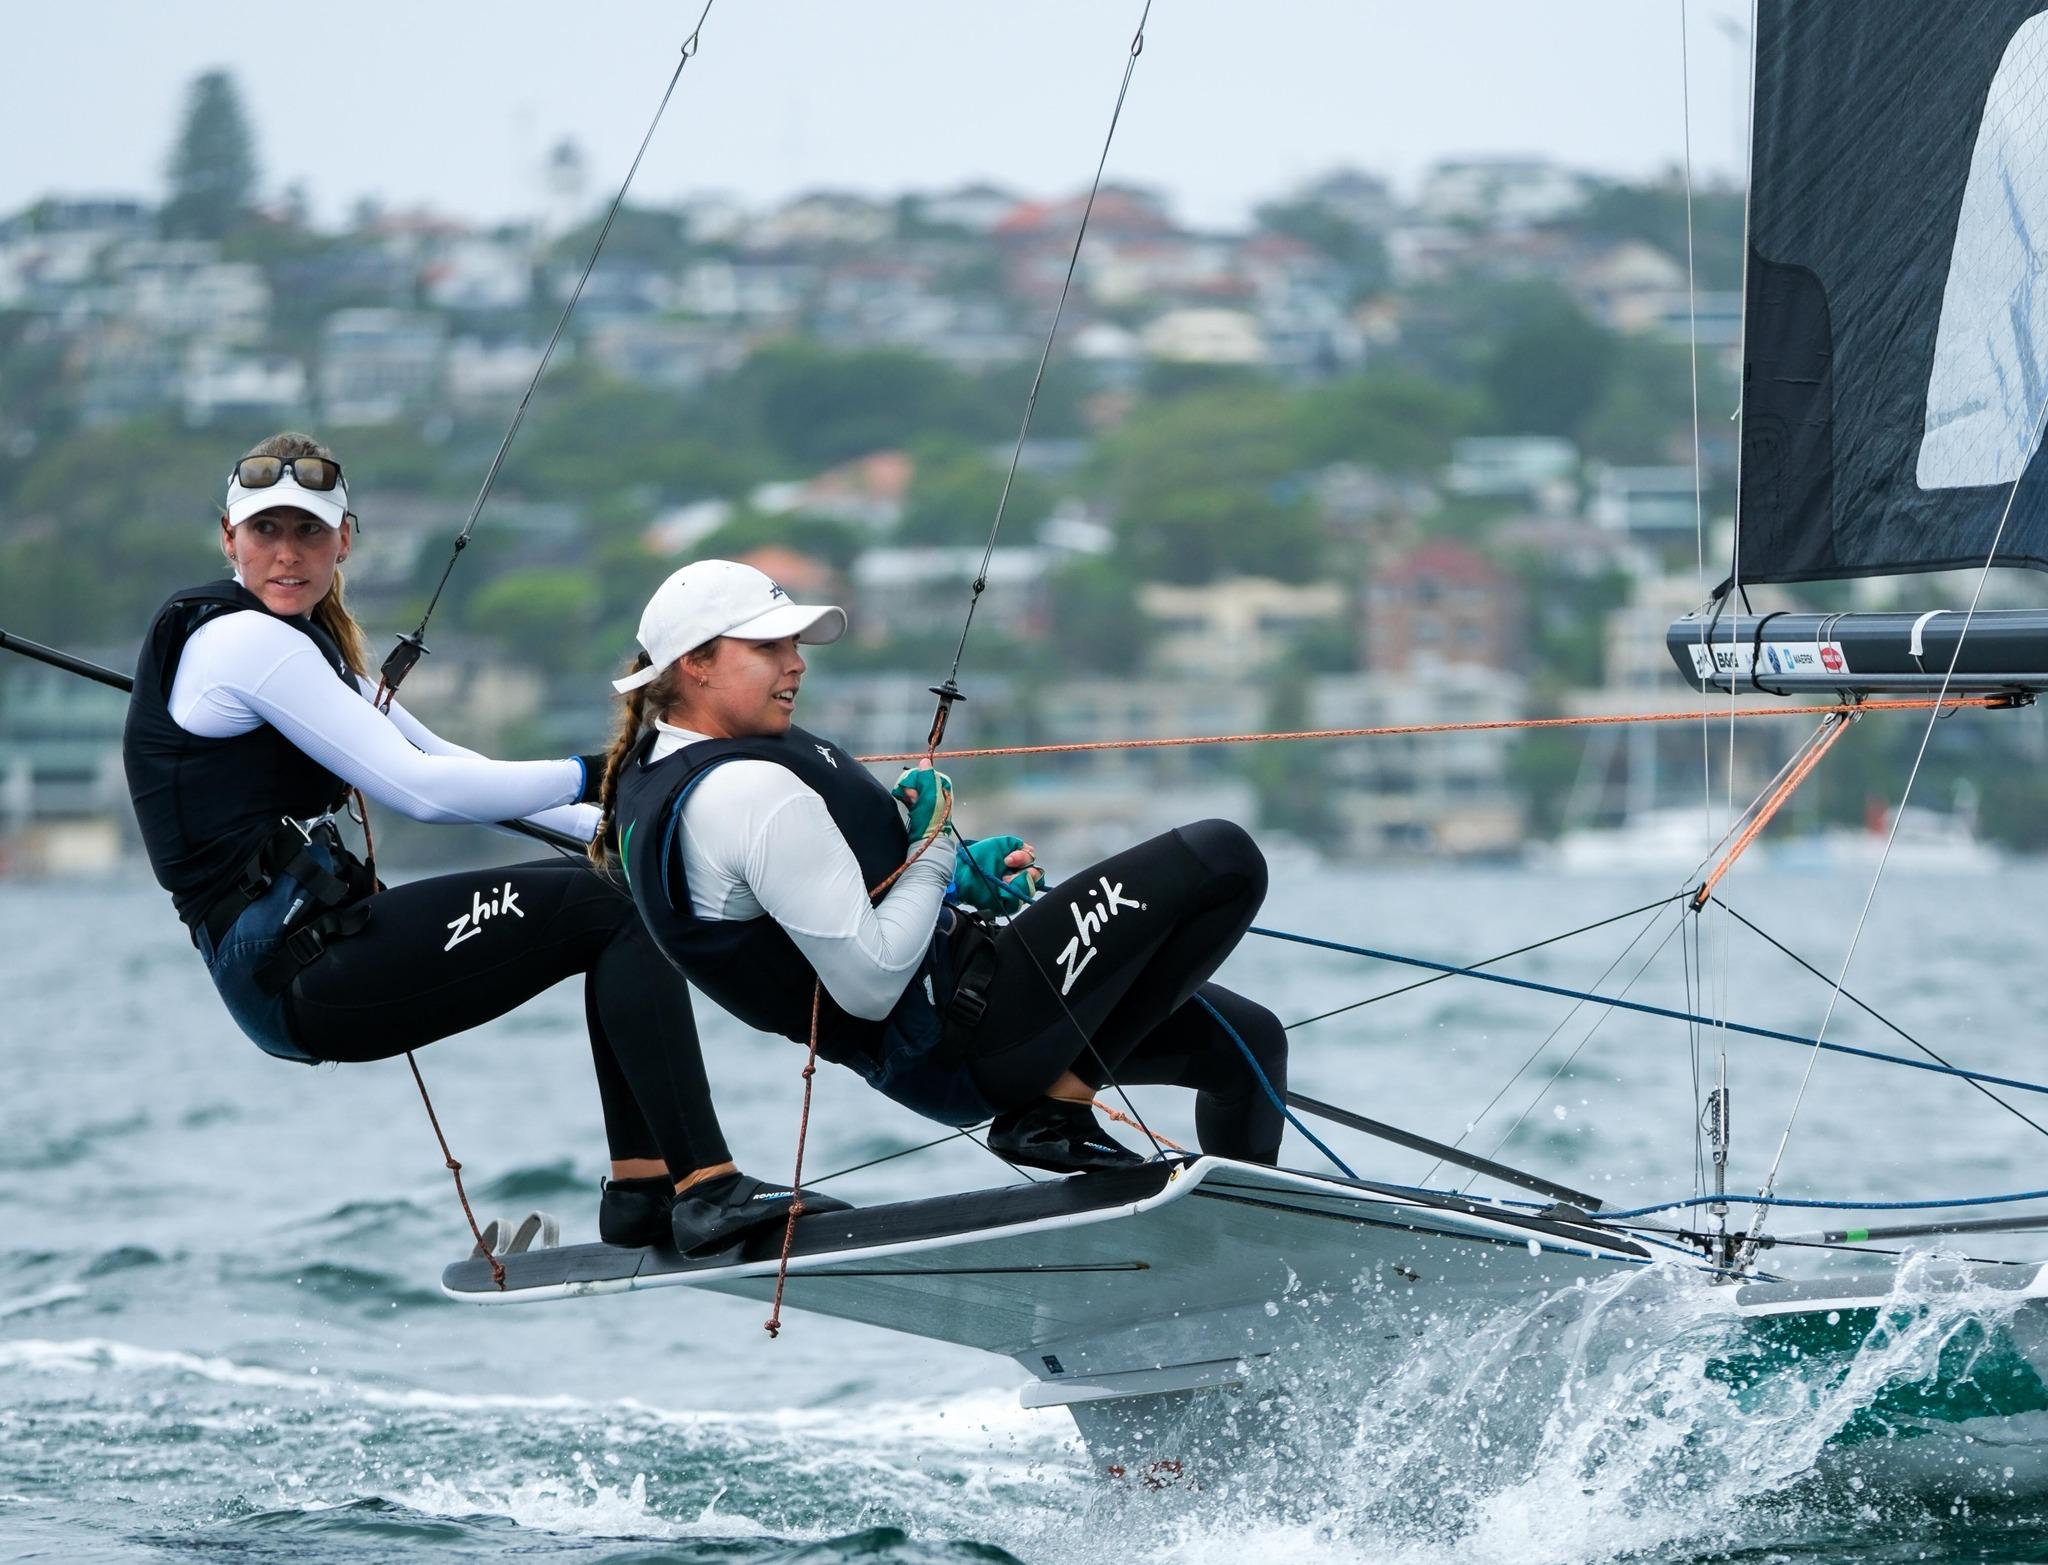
(636, 709)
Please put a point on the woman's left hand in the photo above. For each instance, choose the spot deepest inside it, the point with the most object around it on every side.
(998, 874)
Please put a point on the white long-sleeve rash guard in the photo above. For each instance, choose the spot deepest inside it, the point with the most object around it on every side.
(244, 669)
(758, 842)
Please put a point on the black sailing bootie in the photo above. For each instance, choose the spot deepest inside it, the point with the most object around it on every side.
(633, 1213)
(1058, 1136)
(721, 1211)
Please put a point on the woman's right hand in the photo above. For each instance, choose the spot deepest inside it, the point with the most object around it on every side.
(921, 789)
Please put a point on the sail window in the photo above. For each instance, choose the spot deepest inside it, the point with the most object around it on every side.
(1990, 367)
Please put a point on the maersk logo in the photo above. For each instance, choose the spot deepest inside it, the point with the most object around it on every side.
(1078, 952)
(465, 926)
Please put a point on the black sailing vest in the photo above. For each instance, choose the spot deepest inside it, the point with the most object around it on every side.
(204, 805)
(750, 967)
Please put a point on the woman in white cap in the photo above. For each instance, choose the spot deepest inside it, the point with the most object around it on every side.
(253, 717)
(752, 847)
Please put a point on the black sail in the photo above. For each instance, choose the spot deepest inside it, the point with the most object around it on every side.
(1896, 328)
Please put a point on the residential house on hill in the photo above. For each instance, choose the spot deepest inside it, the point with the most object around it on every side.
(1442, 604)
(802, 577)
(868, 491)
(1242, 623)
(377, 363)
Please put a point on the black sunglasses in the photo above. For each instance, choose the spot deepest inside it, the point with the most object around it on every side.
(317, 473)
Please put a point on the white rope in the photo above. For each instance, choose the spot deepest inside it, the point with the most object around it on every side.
(1699, 524)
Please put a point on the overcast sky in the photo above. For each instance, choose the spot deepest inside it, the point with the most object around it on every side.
(452, 106)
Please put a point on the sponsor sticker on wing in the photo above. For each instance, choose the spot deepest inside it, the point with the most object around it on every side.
(1722, 658)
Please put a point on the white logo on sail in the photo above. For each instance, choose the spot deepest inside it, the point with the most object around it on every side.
(467, 925)
(1984, 388)
(1078, 952)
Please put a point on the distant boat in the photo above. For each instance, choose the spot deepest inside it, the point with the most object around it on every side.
(1668, 843)
(1927, 842)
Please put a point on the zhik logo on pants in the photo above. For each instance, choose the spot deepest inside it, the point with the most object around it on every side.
(1078, 952)
(466, 925)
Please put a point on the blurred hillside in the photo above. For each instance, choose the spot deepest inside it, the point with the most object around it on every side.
(1378, 455)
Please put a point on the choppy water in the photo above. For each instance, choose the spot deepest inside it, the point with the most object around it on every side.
(220, 1333)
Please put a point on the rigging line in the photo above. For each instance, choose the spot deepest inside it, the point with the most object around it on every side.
(1722, 1008)
(1898, 815)
(1687, 949)
(1491, 961)
(1088, 1047)
(1828, 1206)
(407, 652)
(1038, 379)
(1644, 1008)
(1266, 1082)
(1550, 1037)
(890, 1157)
(1620, 957)
(1400, 730)
(1880, 1017)
(1699, 501)
(1579, 1048)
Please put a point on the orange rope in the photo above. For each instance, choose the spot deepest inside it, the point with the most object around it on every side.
(1835, 728)
(1914, 704)
(773, 1324)
(1124, 1119)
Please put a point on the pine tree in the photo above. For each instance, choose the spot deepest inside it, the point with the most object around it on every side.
(213, 166)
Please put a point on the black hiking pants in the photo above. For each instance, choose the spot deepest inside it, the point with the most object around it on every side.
(443, 955)
(1106, 974)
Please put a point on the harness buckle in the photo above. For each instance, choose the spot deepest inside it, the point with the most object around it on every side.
(306, 943)
(967, 1008)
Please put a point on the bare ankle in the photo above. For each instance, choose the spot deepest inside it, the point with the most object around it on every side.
(1070, 1089)
(697, 1176)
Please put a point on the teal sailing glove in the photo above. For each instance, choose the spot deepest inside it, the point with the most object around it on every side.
(920, 790)
(987, 879)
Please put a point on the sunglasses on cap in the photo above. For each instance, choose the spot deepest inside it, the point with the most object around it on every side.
(317, 473)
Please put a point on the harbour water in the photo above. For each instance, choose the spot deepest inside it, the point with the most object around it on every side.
(221, 1335)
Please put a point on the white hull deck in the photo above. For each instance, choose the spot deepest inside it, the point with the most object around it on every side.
(1154, 1304)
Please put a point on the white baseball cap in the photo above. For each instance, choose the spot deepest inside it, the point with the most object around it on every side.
(329, 505)
(713, 598)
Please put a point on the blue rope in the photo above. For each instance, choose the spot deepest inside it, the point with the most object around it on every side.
(1825, 1206)
(1654, 1010)
(1279, 1102)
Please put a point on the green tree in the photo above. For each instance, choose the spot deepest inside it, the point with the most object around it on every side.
(1096, 625)
(1648, 402)
(213, 165)
(1391, 419)
(954, 493)
(1551, 368)
(536, 611)
(1206, 486)
(92, 546)
(1362, 255)
(1656, 214)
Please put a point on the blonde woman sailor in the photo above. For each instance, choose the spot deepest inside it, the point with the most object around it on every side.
(252, 718)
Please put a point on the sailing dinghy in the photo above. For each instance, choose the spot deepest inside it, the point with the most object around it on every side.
(1895, 391)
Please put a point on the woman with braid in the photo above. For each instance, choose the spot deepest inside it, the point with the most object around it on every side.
(253, 718)
(791, 888)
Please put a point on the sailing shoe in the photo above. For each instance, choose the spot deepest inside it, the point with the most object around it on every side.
(633, 1213)
(721, 1211)
(1058, 1136)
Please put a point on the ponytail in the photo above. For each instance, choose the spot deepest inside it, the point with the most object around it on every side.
(636, 707)
(331, 615)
